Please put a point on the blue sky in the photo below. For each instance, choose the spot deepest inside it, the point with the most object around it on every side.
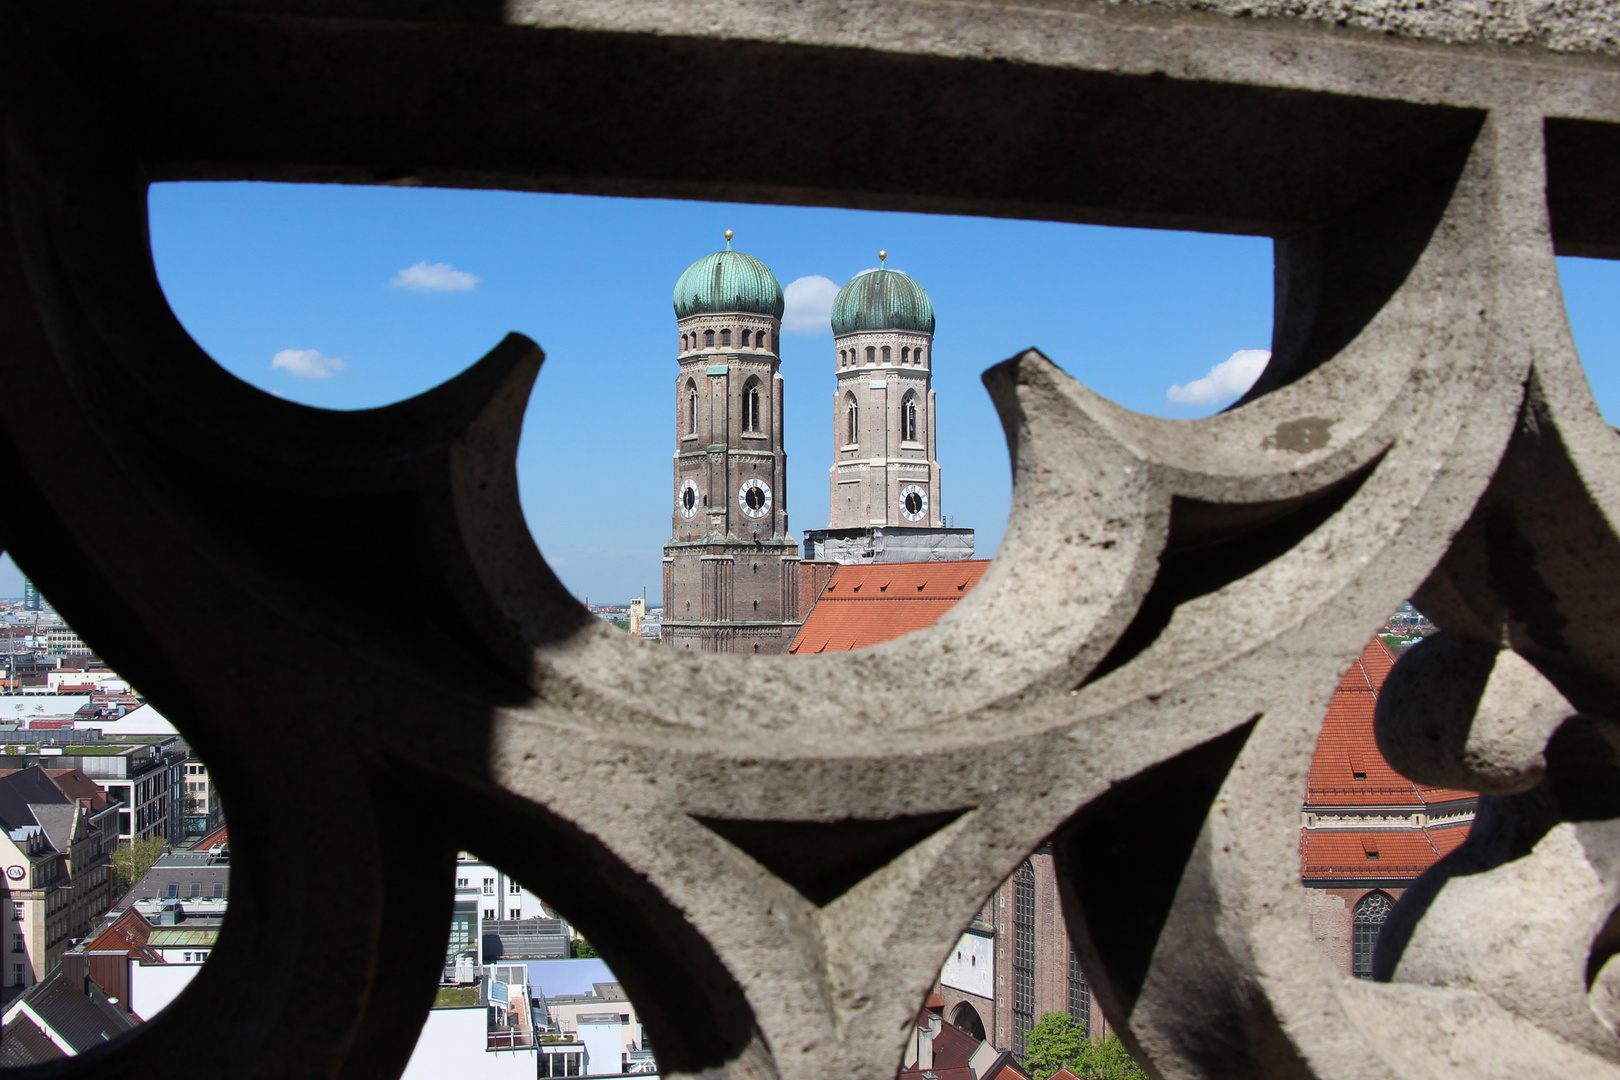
(346, 298)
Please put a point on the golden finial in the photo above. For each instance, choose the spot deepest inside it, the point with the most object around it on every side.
(882, 257)
(729, 235)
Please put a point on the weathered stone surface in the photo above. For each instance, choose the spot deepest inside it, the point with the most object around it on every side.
(1142, 671)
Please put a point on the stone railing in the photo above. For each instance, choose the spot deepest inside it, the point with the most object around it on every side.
(775, 854)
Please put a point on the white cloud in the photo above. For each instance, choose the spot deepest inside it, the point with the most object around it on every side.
(434, 277)
(1228, 379)
(307, 363)
(809, 305)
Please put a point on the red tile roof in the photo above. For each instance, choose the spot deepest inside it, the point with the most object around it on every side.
(128, 934)
(1348, 770)
(1348, 773)
(869, 603)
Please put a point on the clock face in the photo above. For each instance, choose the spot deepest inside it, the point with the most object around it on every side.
(913, 502)
(755, 498)
(687, 500)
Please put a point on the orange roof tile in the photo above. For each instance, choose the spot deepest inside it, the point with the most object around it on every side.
(866, 604)
(1348, 769)
(1349, 772)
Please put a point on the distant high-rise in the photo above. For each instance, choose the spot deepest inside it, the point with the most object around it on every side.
(32, 601)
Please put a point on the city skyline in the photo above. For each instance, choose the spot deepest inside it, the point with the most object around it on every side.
(344, 297)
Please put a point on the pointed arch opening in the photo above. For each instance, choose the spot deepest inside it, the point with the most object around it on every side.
(691, 407)
(852, 420)
(751, 420)
(1372, 911)
(908, 417)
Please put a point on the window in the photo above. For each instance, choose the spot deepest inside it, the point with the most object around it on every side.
(196, 890)
(17, 975)
(684, 342)
(19, 943)
(725, 337)
(708, 338)
(202, 955)
(919, 356)
(871, 355)
(219, 890)
(908, 418)
(489, 886)
(887, 355)
(905, 356)
(461, 883)
(1370, 915)
(745, 338)
(489, 914)
(188, 958)
(514, 888)
(1079, 993)
(843, 358)
(1023, 955)
(852, 420)
(691, 407)
(16, 913)
(171, 891)
(515, 914)
(750, 406)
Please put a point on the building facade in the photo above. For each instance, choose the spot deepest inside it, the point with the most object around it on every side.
(1014, 964)
(1366, 831)
(731, 570)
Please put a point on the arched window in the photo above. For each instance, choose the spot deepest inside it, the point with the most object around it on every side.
(1370, 915)
(871, 355)
(1079, 993)
(905, 356)
(691, 407)
(747, 335)
(683, 343)
(919, 356)
(967, 1018)
(843, 358)
(708, 338)
(750, 406)
(887, 355)
(725, 337)
(852, 420)
(908, 418)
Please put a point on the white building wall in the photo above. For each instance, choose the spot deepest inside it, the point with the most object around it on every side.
(604, 1047)
(972, 966)
(153, 986)
(497, 892)
(451, 1047)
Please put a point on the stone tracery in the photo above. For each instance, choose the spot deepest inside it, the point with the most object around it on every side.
(1424, 429)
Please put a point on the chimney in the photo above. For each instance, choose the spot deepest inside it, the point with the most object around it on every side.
(927, 1028)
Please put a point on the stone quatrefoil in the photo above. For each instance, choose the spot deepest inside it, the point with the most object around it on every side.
(346, 615)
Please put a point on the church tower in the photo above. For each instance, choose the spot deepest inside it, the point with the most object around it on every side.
(885, 498)
(731, 571)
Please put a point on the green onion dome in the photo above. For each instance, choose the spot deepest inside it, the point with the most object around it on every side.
(728, 281)
(882, 300)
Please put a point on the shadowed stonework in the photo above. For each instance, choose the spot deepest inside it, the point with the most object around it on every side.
(1156, 641)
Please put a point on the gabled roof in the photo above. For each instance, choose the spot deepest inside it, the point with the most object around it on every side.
(75, 785)
(130, 934)
(22, 1043)
(76, 1010)
(868, 603)
(23, 789)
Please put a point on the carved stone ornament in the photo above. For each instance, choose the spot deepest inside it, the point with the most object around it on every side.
(346, 616)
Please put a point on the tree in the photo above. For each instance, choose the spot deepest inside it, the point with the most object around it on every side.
(1061, 1042)
(1054, 1043)
(133, 859)
(1107, 1059)
(583, 949)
